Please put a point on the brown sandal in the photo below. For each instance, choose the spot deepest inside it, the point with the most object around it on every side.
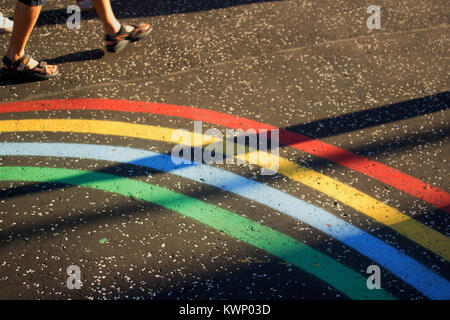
(19, 70)
(121, 39)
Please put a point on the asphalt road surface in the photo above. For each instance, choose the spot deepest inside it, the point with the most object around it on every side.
(361, 188)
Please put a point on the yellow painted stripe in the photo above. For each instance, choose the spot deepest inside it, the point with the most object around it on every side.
(403, 224)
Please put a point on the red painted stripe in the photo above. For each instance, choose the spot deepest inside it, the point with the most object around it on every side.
(390, 176)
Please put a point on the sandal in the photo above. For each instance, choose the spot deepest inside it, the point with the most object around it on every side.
(21, 70)
(121, 39)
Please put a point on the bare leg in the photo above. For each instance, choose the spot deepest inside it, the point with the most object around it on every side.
(110, 24)
(25, 18)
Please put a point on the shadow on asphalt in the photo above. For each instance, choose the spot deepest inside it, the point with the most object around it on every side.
(95, 215)
(336, 125)
(81, 56)
(272, 266)
(388, 145)
(382, 115)
(373, 117)
(125, 9)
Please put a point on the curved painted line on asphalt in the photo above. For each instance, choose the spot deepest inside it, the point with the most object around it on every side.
(391, 217)
(398, 263)
(381, 172)
(278, 244)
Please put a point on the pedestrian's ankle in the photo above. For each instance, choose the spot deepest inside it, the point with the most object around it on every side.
(14, 56)
(112, 28)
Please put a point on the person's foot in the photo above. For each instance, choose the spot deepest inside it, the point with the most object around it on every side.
(116, 42)
(31, 63)
(27, 68)
(84, 4)
(6, 25)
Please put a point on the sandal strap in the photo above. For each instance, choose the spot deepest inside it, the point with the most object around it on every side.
(42, 65)
(8, 62)
(136, 30)
(122, 34)
(22, 63)
(115, 37)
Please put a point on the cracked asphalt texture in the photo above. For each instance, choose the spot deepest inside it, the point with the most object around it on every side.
(310, 66)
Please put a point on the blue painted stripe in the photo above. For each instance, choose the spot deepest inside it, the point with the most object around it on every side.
(404, 267)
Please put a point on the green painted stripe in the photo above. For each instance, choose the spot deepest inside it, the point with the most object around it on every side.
(278, 244)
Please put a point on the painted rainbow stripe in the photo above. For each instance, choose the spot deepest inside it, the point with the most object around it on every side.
(403, 224)
(284, 247)
(401, 265)
(389, 176)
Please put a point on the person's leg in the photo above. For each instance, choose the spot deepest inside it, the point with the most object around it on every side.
(25, 17)
(118, 36)
(103, 8)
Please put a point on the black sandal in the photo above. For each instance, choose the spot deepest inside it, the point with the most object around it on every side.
(20, 70)
(121, 39)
